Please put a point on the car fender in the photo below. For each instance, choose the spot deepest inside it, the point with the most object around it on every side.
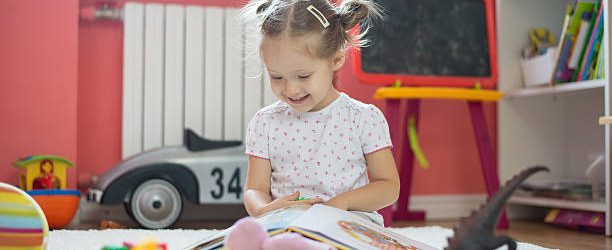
(180, 176)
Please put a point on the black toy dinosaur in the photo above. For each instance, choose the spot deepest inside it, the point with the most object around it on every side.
(476, 231)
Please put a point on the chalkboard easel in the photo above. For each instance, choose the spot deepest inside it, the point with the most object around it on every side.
(446, 43)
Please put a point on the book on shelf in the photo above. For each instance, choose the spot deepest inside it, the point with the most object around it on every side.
(561, 46)
(338, 228)
(586, 28)
(564, 190)
(592, 46)
(561, 72)
(599, 72)
(577, 31)
(576, 219)
(580, 40)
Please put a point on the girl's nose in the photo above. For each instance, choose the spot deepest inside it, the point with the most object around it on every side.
(292, 89)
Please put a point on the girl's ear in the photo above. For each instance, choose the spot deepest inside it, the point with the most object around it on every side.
(338, 60)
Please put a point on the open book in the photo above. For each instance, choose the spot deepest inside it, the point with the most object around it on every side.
(335, 227)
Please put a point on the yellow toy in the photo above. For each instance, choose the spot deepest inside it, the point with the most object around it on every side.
(44, 178)
(541, 38)
(42, 172)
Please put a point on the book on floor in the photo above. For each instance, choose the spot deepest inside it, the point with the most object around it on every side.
(338, 228)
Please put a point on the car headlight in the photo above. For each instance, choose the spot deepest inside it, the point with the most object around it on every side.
(94, 195)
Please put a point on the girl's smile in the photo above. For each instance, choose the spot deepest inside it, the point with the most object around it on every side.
(298, 101)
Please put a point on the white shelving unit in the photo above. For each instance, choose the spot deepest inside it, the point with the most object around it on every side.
(548, 202)
(552, 126)
(556, 89)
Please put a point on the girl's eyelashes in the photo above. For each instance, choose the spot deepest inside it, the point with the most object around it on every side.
(299, 76)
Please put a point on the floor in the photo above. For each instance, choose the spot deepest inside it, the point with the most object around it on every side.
(538, 233)
(533, 232)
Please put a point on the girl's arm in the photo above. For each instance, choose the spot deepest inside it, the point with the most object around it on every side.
(257, 187)
(383, 189)
(257, 199)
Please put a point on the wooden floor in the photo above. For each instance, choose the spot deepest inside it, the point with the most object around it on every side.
(537, 233)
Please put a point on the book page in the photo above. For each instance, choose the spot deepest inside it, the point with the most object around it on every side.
(353, 230)
(272, 221)
(280, 219)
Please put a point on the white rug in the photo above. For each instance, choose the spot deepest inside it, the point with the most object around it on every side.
(179, 239)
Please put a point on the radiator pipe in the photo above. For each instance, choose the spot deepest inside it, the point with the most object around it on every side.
(93, 13)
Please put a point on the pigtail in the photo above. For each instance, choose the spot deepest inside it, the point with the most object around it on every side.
(255, 11)
(263, 6)
(354, 12)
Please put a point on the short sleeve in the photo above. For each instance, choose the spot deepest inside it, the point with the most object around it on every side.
(374, 130)
(257, 136)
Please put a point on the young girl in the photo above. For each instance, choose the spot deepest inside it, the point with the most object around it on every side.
(315, 142)
(315, 145)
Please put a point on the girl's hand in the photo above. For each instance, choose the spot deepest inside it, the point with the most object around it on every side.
(289, 201)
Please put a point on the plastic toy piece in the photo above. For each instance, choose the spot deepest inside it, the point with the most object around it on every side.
(44, 178)
(193, 142)
(541, 38)
(113, 247)
(301, 198)
(59, 205)
(414, 144)
(43, 172)
(146, 245)
(22, 222)
(476, 231)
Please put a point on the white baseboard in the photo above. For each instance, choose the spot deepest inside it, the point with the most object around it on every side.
(447, 206)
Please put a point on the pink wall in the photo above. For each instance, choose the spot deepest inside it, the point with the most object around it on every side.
(38, 81)
(91, 130)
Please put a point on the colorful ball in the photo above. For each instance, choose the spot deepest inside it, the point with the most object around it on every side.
(22, 221)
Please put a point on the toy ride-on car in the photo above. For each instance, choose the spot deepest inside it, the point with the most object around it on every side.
(152, 185)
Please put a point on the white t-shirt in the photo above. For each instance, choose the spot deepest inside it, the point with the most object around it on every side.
(321, 153)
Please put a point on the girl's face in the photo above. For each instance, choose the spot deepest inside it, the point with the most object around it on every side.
(297, 77)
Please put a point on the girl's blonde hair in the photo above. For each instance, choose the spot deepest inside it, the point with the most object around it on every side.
(292, 18)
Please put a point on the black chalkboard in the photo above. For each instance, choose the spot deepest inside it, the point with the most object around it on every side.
(445, 38)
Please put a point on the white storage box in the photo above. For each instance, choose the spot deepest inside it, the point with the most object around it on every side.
(538, 71)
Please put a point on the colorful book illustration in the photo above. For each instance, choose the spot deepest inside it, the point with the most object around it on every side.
(335, 227)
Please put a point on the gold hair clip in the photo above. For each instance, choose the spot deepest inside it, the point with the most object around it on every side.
(315, 12)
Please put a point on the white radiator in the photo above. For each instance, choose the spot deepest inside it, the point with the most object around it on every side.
(185, 67)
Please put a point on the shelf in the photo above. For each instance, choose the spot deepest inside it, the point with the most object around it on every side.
(557, 89)
(558, 203)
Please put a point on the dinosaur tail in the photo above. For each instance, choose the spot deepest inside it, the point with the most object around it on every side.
(495, 204)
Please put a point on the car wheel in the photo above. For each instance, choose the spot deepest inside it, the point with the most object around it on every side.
(128, 209)
(155, 204)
